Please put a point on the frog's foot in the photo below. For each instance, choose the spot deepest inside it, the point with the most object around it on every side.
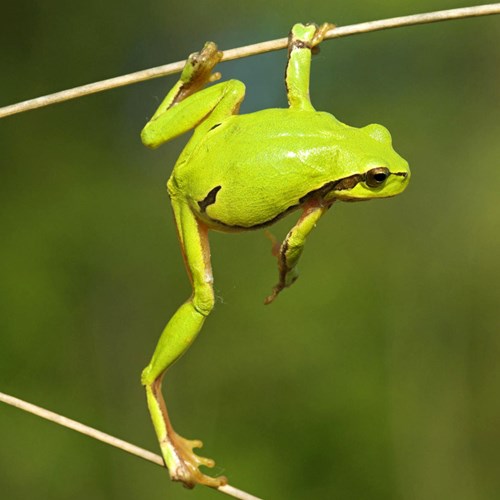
(184, 464)
(198, 68)
(286, 279)
(276, 290)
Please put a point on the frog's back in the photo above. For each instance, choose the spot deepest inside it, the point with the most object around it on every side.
(253, 168)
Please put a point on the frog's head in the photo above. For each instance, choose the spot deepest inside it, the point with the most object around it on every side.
(370, 166)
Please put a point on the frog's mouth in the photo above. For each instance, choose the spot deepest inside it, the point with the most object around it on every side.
(375, 183)
(349, 183)
(370, 179)
(339, 189)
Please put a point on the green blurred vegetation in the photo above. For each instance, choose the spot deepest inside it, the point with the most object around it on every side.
(375, 377)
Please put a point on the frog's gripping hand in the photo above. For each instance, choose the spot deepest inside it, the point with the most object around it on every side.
(197, 71)
(196, 74)
(293, 245)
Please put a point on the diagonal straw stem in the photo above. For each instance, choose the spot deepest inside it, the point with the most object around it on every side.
(248, 50)
(106, 438)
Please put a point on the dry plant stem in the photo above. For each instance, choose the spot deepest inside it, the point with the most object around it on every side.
(106, 438)
(249, 50)
(168, 69)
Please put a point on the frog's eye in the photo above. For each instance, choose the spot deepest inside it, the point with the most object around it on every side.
(376, 176)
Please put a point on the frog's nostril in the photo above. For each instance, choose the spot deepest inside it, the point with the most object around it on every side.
(402, 174)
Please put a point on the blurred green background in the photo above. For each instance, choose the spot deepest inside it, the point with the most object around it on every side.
(376, 376)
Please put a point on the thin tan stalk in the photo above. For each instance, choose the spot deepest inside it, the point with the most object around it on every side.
(248, 50)
(106, 438)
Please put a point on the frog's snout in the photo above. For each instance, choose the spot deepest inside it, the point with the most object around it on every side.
(402, 170)
(404, 177)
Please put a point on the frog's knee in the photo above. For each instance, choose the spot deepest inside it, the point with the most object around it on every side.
(146, 378)
(203, 300)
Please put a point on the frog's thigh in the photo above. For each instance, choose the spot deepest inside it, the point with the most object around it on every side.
(187, 321)
(209, 106)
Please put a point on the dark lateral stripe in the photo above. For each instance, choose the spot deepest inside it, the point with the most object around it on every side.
(209, 198)
(270, 222)
(339, 185)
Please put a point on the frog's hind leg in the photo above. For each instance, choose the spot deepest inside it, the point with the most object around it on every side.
(177, 336)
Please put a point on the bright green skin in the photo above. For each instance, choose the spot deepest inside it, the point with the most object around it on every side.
(242, 172)
(276, 157)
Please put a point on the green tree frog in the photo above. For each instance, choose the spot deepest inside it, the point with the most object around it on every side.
(244, 172)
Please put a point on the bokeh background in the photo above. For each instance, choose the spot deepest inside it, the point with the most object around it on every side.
(376, 376)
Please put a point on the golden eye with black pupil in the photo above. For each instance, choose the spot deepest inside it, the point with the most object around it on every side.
(376, 176)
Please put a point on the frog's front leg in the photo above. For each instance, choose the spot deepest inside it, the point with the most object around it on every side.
(301, 41)
(293, 245)
(187, 106)
(197, 72)
(177, 336)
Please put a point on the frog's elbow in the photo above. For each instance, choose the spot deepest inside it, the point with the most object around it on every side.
(148, 137)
